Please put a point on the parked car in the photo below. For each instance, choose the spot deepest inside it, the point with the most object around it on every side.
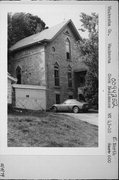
(71, 105)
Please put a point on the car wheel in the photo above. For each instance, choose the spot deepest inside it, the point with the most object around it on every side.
(75, 109)
(54, 109)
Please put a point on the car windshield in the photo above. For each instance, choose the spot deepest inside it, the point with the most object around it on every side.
(70, 101)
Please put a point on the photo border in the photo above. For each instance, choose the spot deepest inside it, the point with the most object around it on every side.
(102, 87)
(100, 165)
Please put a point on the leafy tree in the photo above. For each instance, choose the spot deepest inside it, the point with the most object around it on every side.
(89, 54)
(21, 25)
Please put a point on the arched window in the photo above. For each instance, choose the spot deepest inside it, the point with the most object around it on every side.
(53, 49)
(18, 75)
(68, 49)
(69, 74)
(56, 74)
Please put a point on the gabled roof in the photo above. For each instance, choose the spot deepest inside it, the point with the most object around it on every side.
(45, 36)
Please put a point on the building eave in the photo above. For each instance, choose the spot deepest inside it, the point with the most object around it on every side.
(29, 45)
(12, 78)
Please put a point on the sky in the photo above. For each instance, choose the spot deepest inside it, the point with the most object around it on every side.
(53, 14)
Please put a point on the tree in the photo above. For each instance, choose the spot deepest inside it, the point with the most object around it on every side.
(21, 25)
(89, 54)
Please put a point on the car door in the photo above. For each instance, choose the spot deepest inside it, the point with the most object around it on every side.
(63, 107)
(66, 106)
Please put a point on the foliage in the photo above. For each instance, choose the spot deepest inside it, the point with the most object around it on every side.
(21, 25)
(89, 53)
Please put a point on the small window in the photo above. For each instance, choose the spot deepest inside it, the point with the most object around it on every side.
(53, 49)
(57, 98)
(56, 74)
(69, 74)
(66, 32)
(18, 75)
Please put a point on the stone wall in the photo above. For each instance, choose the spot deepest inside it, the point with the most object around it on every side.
(59, 56)
(32, 63)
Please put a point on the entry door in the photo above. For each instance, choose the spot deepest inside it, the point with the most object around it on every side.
(79, 80)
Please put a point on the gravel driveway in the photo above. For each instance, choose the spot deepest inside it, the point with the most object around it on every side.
(91, 118)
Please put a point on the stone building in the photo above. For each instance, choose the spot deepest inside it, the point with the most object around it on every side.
(51, 59)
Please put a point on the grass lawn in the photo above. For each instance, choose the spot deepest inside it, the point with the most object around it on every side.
(50, 130)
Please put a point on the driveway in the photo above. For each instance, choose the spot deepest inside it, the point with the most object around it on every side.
(90, 117)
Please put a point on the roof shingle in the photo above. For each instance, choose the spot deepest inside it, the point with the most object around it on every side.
(46, 35)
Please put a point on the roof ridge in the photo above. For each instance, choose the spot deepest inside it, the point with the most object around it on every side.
(43, 30)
